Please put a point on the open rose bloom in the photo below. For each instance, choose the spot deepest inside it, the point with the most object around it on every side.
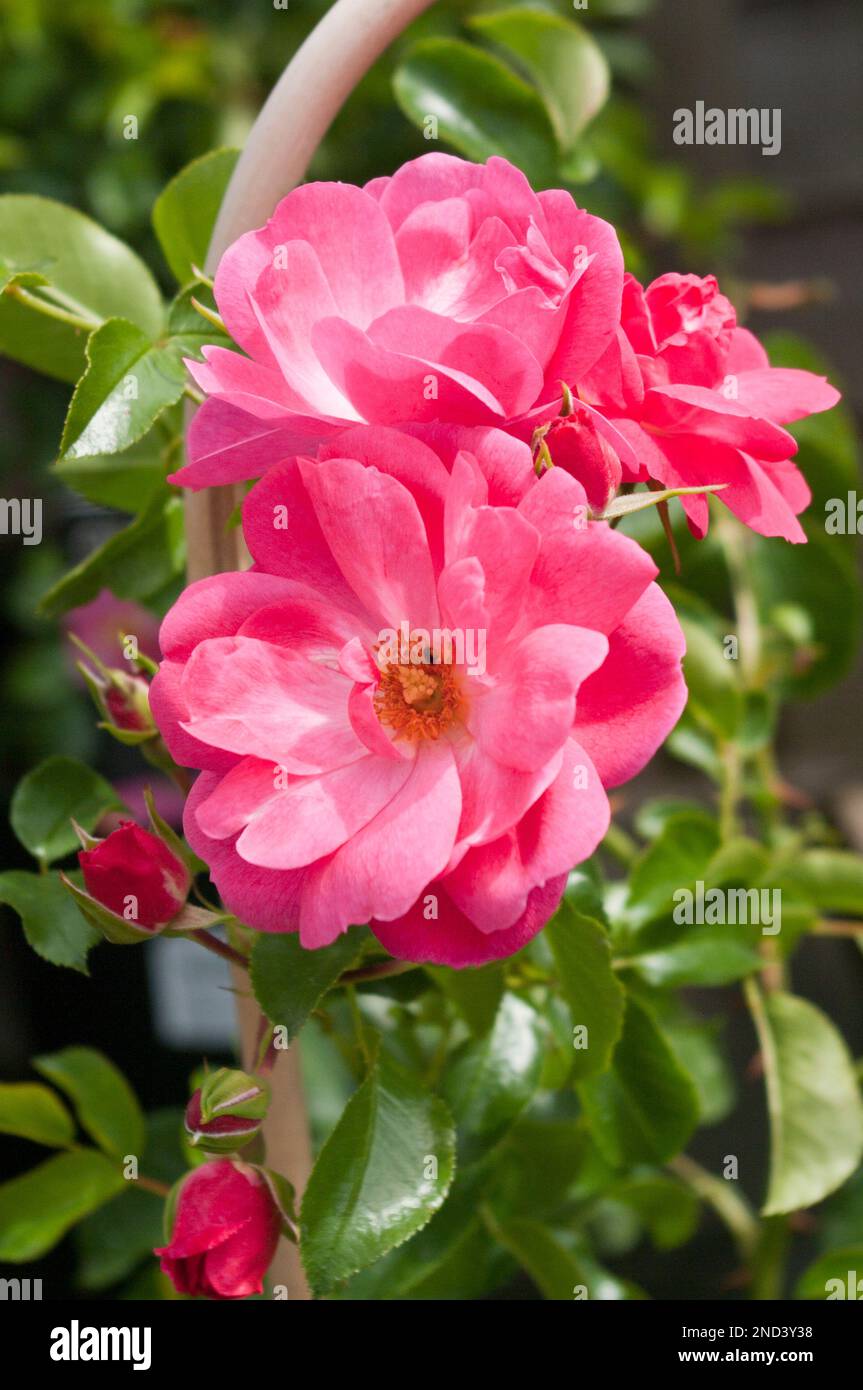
(696, 398)
(408, 712)
(438, 792)
(449, 292)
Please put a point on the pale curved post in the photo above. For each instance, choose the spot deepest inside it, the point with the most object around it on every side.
(291, 125)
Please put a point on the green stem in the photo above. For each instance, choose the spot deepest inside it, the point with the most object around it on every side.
(733, 1210)
(53, 311)
(619, 844)
(768, 1264)
(359, 1027)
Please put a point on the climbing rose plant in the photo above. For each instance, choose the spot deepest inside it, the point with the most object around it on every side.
(469, 616)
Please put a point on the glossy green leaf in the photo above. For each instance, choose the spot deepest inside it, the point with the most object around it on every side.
(129, 381)
(489, 1081)
(590, 987)
(813, 1101)
(33, 1112)
(562, 59)
(382, 1174)
(676, 860)
(482, 107)
(138, 562)
(475, 993)
(704, 955)
(836, 1275)
(811, 576)
(831, 879)
(52, 924)
(37, 1209)
(104, 1100)
(667, 1208)
(185, 211)
(47, 797)
(126, 481)
(88, 271)
(289, 981)
(712, 680)
(556, 1273)
(645, 1107)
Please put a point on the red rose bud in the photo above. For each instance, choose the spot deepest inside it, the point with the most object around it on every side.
(575, 444)
(122, 698)
(225, 1226)
(136, 877)
(226, 1111)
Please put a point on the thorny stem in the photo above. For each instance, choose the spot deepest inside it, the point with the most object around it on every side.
(378, 971)
(161, 1189)
(219, 948)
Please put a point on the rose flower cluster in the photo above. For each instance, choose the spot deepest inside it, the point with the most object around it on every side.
(409, 711)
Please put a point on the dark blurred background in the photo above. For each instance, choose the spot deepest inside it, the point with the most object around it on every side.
(785, 234)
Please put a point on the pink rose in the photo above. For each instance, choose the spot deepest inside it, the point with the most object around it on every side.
(449, 292)
(355, 767)
(697, 402)
(133, 866)
(573, 442)
(225, 1231)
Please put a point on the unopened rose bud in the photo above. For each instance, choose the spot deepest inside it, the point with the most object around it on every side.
(575, 444)
(226, 1111)
(135, 885)
(224, 1221)
(121, 697)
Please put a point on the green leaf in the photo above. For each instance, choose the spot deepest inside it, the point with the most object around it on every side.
(33, 1112)
(810, 576)
(838, 1274)
(88, 270)
(831, 879)
(372, 1186)
(589, 985)
(114, 1240)
(491, 1080)
(677, 859)
(813, 1100)
(47, 797)
(475, 993)
(705, 955)
(715, 698)
(52, 923)
(644, 1108)
(126, 481)
(185, 211)
(667, 1208)
(289, 981)
(103, 1098)
(129, 381)
(135, 563)
(481, 106)
(39, 1207)
(567, 66)
(631, 502)
(556, 1273)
